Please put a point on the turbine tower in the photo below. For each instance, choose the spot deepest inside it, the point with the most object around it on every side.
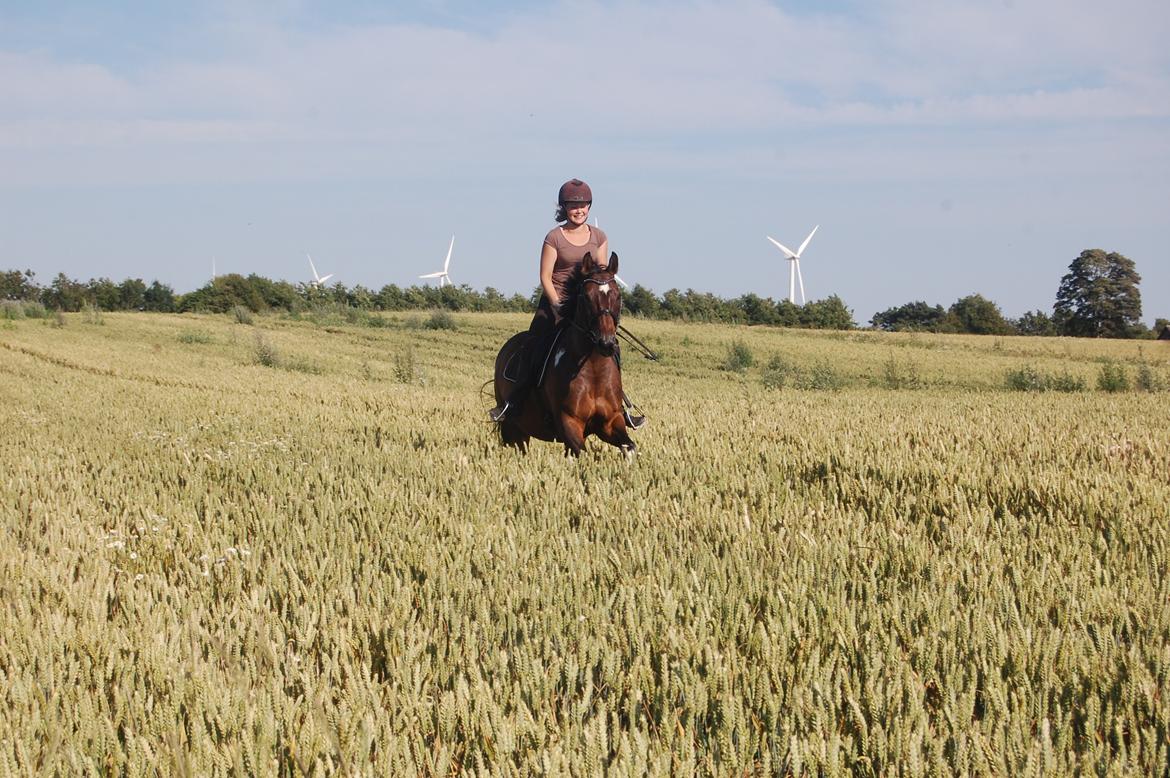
(794, 265)
(317, 280)
(616, 277)
(442, 274)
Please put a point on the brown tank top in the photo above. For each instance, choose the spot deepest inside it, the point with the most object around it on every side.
(569, 257)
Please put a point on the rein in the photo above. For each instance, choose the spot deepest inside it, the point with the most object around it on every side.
(641, 347)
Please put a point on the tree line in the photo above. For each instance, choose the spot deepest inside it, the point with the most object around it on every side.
(1098, 298)
(257, 293)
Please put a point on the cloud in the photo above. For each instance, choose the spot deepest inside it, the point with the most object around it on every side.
(602, 72)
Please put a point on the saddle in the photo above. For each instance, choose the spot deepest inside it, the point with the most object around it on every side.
(528, 356)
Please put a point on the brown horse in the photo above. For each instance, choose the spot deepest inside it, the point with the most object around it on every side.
(581, 390)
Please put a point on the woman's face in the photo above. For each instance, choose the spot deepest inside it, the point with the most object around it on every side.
(578, 213)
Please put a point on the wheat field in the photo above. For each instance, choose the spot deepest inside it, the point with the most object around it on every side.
(295, 547)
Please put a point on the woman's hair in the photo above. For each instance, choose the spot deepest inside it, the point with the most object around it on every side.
(562, 214)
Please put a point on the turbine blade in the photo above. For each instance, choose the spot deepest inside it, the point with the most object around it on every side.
(432, 275)
(799, 278)
(323, 279)
(800, 250)
(313, 267)
(450, 248)
(618, 278)
(781, 246)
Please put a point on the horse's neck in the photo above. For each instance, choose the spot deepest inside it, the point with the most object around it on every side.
(578, 343)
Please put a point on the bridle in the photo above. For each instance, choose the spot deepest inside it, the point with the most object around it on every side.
(594, 329)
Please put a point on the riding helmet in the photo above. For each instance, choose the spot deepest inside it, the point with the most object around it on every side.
(574, 191)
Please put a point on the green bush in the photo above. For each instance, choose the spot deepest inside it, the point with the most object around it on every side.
(1066, 382)
(822, 377)
(776, 373)
(90, 314)
(302, 365)
(20, 309)
(739, 358)
(194, 336)
(901, 375)
(441, 320)
(1026, 379)
(406, 370)
(265, 352)
(1147, 380)
(242, 314)
(1113, 378)
(1029, 379)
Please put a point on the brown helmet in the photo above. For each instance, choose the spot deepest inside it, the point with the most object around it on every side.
(574, 191)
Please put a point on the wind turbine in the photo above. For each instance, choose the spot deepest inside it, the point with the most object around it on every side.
(616, 277)
(213, 268)
(794, 265)
(442, 274)
(317, 280)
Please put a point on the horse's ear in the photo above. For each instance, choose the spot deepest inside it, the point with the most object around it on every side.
(612, 266)
(588, 265)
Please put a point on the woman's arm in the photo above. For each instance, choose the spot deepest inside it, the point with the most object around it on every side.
(548, 258)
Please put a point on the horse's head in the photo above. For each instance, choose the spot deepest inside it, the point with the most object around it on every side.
(599, 302)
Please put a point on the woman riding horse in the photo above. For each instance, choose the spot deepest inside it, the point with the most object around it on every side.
(564, 248)
(580, 390)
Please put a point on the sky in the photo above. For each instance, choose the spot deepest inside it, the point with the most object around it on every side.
(944, 147)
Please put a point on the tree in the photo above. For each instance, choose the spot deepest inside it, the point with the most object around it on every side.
(105, 294)
(828, 314)
(222, 294)
(1099, 297)
(132, 295)
(1035, 323)
(757, 310)
(977, 315)
(641, 302)
(65, 294)
(158, 297)
(911, 317)
(15, 285)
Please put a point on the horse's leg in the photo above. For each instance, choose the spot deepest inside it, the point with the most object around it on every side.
(573, 433)
(615, 433)
(512, 435)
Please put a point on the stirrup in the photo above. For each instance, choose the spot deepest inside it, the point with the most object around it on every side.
(633, 422)
(497, 414)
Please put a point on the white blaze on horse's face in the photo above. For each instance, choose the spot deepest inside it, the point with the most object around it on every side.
(603, 288)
